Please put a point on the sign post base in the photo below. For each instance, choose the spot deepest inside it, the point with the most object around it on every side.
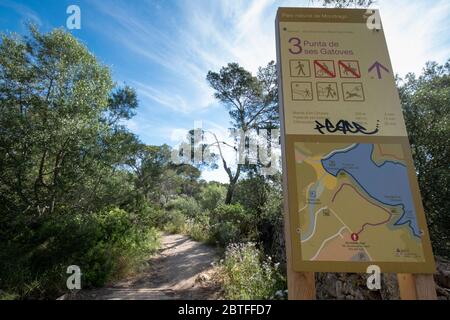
(416, 286)
(301, 285)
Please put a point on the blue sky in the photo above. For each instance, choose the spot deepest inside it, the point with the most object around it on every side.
(164, 48)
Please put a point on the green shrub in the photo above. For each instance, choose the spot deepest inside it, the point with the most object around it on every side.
(271, 226)
(105, 245)
(225, 232)
(211, 196)
(231, 223)
(152, 216)
(199, 229)
(251, 193)
(186, 205)
(120, 246)
(174, 222)
(247, 276)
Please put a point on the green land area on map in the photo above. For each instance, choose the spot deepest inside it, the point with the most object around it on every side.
(355, 203)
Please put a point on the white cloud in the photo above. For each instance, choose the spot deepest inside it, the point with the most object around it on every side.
(416, 32)
(233, 31)
(164, 49)
(178, 135)
(162, 96)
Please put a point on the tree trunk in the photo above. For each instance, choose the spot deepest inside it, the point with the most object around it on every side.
(232, 185)
(230, 192)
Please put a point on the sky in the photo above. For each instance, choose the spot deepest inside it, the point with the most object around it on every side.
(164, 48)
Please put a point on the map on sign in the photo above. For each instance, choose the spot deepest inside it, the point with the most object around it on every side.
(355, 203)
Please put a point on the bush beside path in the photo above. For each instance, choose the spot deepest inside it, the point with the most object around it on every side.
(183, 269)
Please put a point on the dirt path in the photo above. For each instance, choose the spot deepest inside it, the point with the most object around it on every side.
(181, 270)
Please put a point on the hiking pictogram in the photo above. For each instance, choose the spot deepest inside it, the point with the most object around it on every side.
(300, 68)
(327, 91)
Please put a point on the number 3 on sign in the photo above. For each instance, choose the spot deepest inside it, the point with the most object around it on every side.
(296, 47)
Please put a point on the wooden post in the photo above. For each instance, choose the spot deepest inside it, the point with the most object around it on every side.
(425, 287)
(301, 285)
(406, 286)
(416, 286)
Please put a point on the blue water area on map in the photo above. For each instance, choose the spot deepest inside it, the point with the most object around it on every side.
(387, 183)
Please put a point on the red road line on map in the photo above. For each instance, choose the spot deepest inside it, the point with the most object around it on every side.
(388, 154)
(324, 69)
(367, 223)
(349, 69)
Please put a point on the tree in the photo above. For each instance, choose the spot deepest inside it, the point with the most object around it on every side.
(62, 147)
(251, 103)
(65, 160)
(426, 107)
(149, 165)
(189, 175)
(61, 139)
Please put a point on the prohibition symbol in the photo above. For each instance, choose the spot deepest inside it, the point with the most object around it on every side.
(324, 69)
(349, 69)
